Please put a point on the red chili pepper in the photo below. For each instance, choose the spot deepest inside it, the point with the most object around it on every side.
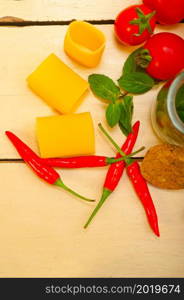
(81, 161)
(141, 188)
(43, 171)
(140, 185)
(115, 171)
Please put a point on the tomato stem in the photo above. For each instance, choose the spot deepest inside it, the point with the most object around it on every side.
(143, 21)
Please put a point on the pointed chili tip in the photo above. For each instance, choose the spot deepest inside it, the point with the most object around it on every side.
(156, 230)
(137, 124)
(157, 233)
(9, 134)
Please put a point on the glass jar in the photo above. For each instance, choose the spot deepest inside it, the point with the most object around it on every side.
(164, 115)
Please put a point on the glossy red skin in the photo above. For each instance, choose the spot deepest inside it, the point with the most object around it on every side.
(77, 162)
(142, 191)
(167, 52)
(45, 172)
(168, 11)
(125, 31)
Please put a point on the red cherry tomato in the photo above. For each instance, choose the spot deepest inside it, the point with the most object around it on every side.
(168, 11)
(167, 52)
(135, 24)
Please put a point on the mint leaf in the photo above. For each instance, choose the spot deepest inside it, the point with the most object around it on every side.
(136, 82)
(130, 64)
(125, 121)
(104, 87)
(113, 114)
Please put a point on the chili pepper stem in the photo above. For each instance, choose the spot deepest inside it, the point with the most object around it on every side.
(127, 158)
(111, 140)
(62, 185)
(115, 172)
(129, 161)
(111, 160)
(104, 196)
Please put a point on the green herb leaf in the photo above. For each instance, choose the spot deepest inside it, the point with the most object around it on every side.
(113, 113)
(130, 64)
(104, 87)
(136, 82)
(125, 121)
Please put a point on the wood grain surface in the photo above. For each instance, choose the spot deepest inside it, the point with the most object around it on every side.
(41, 229)
(57, 10)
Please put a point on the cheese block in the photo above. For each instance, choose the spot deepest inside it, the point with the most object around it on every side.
(65, 135)
(57, 84)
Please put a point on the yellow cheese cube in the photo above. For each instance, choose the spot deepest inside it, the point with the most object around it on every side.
(66, 135)
(57, 84)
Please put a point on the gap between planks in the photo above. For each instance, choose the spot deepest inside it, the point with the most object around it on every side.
(22, 23)
(4, 22)
(19, 160)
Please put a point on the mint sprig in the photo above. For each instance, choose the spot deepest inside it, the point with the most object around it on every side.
(104, 87)
(134, 80)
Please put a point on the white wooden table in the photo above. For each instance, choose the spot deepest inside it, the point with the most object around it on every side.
(41, 228)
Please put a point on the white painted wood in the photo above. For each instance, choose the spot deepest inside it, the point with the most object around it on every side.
(39, 10)
(22, 49)
(42, 227)
(42, 231)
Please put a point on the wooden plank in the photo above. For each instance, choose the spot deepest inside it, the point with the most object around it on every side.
(41, 226)
(22, 49)
(42, 231)
(39, 10)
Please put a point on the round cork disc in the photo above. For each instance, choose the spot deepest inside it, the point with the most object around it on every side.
(163, 166)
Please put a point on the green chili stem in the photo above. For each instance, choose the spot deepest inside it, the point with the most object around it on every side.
(105, 194)
(124, 156)
(62, 185)
(135, 152)
(111, 140)
(113, 160)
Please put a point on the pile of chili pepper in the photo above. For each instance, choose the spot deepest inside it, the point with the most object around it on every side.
(133, 170)
(44, 169)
